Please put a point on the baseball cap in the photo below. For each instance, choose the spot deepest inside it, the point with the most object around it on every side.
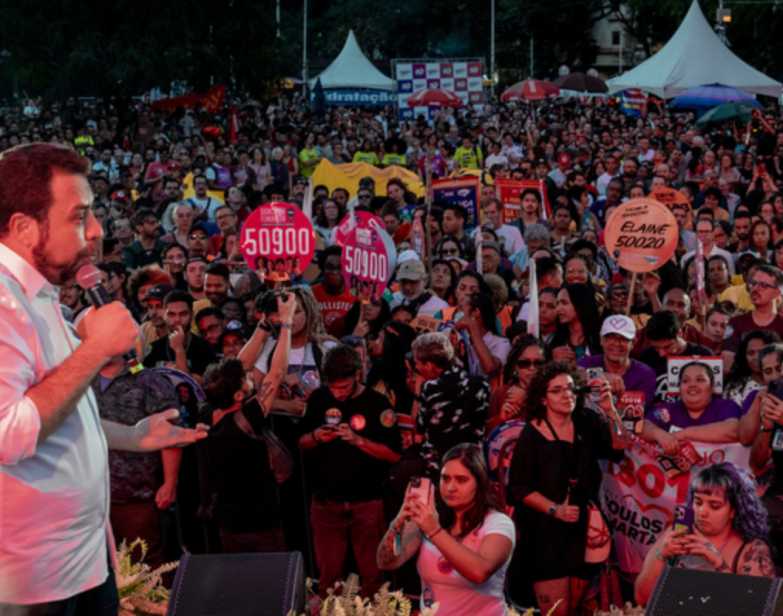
(412, 269)
(564, 159)
(119, 195)
(618, 286)
(541, 161)
(406, 255)
(195, 259)
(198, 227)
(160, 291)
(749, 251)
(493, 245)
(236, 328)
(619, 324)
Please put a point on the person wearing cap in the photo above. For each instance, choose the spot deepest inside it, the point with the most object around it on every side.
(617, 302)
(412, 276)
(155, 326)
(664, 333)
(622, 372)
(195, 268)
(234, 337)
(557, 175)
(198, 241)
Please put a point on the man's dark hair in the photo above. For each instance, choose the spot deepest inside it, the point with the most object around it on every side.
(210, 311)
(390, 210)
(718, 258)
(530, 191)
(545, 266)
(222, 380)
(742, 214)
(26, 174)
(663, 325)
(179, 296)
(706, 214)
(340, 362)
(701, 220)
(327, 252)
(235, 300)
(459, 211)
(218, 269)
(713, 192)
(142, 215)
(771, 270)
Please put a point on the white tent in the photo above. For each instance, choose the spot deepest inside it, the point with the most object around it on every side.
(352, 69)
(694, 56)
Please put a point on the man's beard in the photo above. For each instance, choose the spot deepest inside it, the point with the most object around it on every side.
(59, 273)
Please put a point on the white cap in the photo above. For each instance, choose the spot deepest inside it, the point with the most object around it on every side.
(619, 324)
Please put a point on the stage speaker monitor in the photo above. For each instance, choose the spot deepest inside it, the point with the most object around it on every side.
(690, 592)
(239, 585)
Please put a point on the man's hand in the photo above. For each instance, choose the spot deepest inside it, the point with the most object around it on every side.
(166, 495)
(154, 433)
(297, 406)
(616, 382)
(177, 340)
(567, 513)
(111, 330)
(325, 434)
(349, 436)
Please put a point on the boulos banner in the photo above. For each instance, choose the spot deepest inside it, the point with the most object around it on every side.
(639, 495)
(510, 194)
(211, 100)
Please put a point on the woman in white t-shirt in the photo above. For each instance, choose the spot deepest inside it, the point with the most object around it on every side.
(464, 543)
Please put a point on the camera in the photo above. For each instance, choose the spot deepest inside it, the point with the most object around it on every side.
(268, 302)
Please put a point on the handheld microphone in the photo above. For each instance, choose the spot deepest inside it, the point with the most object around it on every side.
(89, 278)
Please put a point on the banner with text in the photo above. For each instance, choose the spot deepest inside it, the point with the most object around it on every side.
(464, 191)
(639, 496)
(510, 194)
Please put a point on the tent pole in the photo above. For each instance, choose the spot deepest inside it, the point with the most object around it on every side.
(304, 51)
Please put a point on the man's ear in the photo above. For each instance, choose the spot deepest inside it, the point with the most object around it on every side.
(24, 229)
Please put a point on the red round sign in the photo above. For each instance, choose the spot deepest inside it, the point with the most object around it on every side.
(366, 266)
(363, 219)
(280, 238)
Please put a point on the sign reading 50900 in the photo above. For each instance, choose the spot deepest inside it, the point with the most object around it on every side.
(277, 231)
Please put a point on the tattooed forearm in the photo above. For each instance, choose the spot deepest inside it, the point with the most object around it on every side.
(386, 557)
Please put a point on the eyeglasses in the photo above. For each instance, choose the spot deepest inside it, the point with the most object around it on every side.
(559, 391)
(198, 236)
(363, 197)
(764, 285)
(328, 269)
(449, 251)
(526, 364)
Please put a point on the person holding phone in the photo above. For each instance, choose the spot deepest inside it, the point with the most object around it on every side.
(729, 534)
(554, 477)
(463, 542)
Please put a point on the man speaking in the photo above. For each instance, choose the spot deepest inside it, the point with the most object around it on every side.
(55, 541)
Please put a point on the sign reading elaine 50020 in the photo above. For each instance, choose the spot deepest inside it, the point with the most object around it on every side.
(641, 235)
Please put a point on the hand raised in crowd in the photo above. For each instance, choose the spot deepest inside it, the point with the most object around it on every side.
(425, 515)
(362, 328)
(651, 283)
(177, 340)
(771, 411)
(349, 436)
(669, 443)
(567, 513)
(616, 383)
(564, 353)
(512, 407)
(605, 403)
(674, 543)
(286, 306)
(111, 330)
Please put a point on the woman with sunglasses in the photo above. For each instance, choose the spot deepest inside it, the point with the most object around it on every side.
(527, 355)
(554, 477)
(449, 246)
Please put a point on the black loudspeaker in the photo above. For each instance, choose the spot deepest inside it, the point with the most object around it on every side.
(239, 585)
(690, 592)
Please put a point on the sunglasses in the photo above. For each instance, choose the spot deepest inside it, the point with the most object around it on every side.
(526, 364)
(197, 237)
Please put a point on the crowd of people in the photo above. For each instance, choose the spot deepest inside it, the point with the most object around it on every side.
(293, 361)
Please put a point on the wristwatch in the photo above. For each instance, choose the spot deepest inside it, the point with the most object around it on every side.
(553, 510)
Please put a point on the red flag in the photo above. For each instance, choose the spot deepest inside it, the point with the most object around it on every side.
(232, 132)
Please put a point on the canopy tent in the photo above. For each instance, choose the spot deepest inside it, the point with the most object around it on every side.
(352, 69)
(692, 57)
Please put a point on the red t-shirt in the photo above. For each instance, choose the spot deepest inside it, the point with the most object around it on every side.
(332, 306)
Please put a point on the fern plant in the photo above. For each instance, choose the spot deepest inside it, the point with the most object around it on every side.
(139, 586)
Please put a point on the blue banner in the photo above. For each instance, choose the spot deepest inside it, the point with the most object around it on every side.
(359, 97)
(464, 191)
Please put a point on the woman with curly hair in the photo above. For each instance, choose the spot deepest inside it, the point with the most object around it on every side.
(745, 375)
(730, 532)
(527, 355)
(554, 477)
(309, 343)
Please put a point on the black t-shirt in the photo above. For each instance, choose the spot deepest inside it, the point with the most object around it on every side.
(343, 472)
(238, 469)
(198, 351)
(743, 324)
(660, 364)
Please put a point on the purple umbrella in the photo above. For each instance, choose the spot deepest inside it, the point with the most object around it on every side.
(703, 98)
